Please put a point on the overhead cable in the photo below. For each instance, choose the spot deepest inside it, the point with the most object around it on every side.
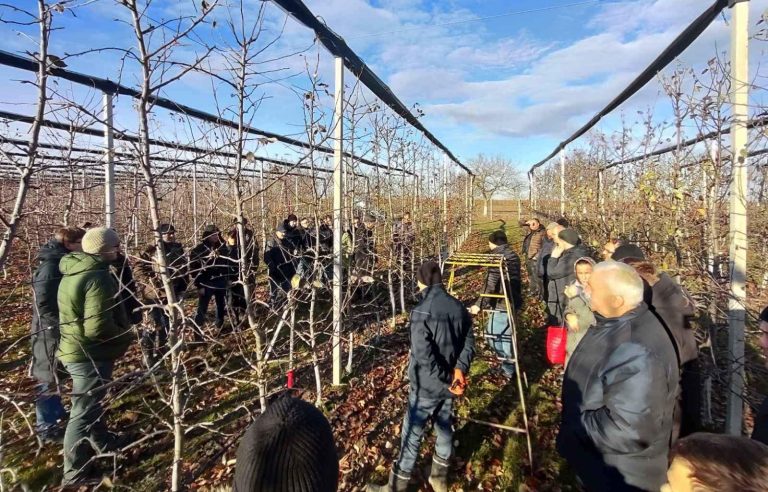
(338, 47)
(680, 44)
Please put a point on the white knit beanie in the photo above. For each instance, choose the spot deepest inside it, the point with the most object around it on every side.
(100, 239)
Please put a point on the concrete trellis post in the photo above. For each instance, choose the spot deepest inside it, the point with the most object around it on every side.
(601, 193)
(338, 193)
(194, 196)
(445, 245)
(562, 182)
(738, 212)
(109, 163)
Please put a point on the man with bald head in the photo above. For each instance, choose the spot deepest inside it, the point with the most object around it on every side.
(619, 389)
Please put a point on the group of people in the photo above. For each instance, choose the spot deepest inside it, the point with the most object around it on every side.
(630, 396)
(87, 296)
(629, 405)
(630, 390)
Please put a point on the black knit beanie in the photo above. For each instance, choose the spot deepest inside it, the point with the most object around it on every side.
(288, 448)
(764, 315)
(570, 236)
(429, 273)
(628, 251)
(498, 238)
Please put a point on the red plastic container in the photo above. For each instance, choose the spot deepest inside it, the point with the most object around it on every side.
(556, 338)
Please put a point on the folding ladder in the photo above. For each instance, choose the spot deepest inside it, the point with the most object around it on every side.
(490, 261)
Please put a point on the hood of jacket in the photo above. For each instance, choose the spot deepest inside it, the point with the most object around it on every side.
(77, 263)
(583, 258)
(53, 250)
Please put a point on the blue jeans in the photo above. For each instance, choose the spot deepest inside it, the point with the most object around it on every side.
(48, 409)
(499, 335)
(420, 409)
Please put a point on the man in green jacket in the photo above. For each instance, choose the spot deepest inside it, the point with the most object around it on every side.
(95, 331)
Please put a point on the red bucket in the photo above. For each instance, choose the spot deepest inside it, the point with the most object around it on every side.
(556, 339)
(290, 381)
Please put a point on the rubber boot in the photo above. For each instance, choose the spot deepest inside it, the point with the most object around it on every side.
(438, 477)
(396, 483)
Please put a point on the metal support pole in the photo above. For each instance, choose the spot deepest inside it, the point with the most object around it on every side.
(338, 192)
(532, 183)
(562, 182)
(738, 213)
(109, 163)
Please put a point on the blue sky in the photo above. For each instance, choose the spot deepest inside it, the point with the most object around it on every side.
(513, 85)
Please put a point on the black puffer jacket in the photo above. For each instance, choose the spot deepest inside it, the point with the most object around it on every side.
(365, 251)
(619, 394)
(279, 261)
(675, 308)
(45, 310)
(493, 283)
(561, 272)
(441, 341)
(208, 266)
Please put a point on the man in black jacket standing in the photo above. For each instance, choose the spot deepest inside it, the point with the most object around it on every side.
(619, 389)
(280, 266)
(498, 322)
(45, 329)
(442, 349)
(209, 269)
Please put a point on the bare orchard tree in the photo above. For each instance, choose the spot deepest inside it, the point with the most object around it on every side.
(26, 167)
(495, 176)
(155, 47)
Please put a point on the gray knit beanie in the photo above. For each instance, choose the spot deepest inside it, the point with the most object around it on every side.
(99, 240)
(288, 448)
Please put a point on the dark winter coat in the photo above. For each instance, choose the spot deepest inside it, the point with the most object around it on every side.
(619, 394)
(292, 240)
(365, 251)
(93, 321)
(279, 260)
(45, 310)
(208, 266)
(675, 308)
(441, 341)
(127, 294)
(326, 240)
(547, 245)
(561, 273)
(532, 243)
(760, 431)
(231, 253)
(493, 279)
(148, 272)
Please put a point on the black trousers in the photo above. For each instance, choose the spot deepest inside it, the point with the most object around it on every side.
(202, 305)
(535, 283)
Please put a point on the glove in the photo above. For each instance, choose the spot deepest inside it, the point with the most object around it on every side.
(459, 383)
